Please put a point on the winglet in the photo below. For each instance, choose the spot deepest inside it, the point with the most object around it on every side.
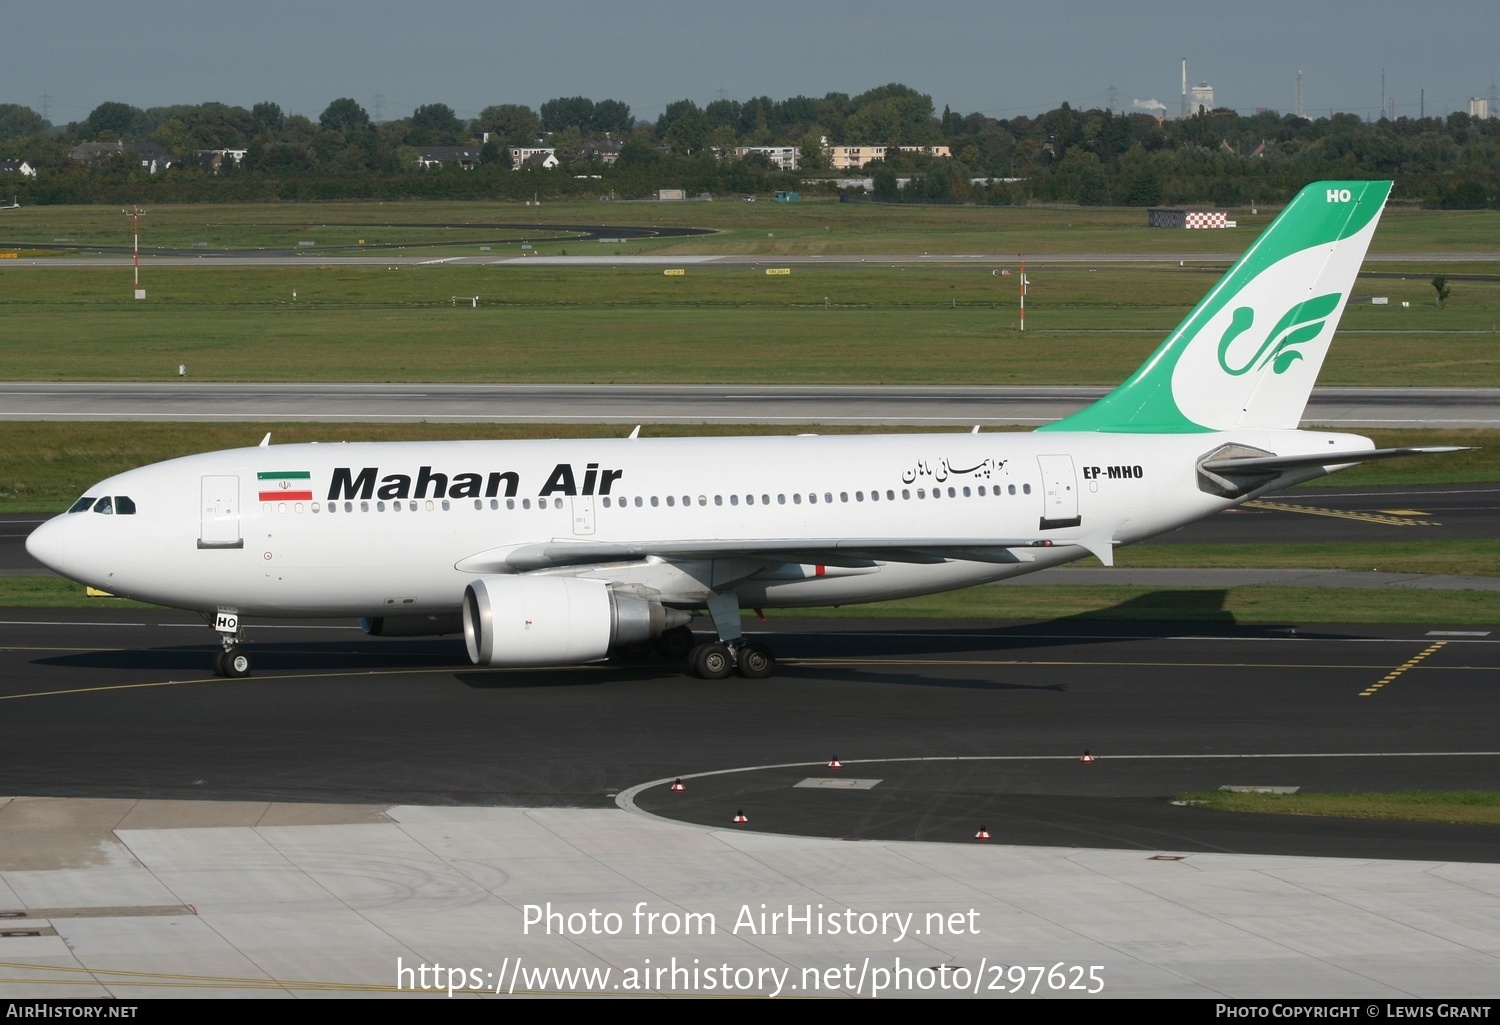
(266, 441)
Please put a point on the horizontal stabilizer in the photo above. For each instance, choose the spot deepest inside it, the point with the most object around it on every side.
(1275, 464)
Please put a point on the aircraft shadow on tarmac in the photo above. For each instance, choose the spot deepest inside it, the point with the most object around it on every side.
(813, 640)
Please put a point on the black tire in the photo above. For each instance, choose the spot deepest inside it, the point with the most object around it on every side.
(236, 664)
(674, 644)
(712, 661)
(755, 662)
(219, 668)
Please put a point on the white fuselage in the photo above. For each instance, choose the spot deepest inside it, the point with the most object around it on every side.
(381, 529)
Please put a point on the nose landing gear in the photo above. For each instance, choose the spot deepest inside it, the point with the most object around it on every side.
(232, 662)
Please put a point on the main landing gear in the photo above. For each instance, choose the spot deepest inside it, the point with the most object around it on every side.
(731, 653)
(232, 662)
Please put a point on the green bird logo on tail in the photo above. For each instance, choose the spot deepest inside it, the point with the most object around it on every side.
(1302, 323)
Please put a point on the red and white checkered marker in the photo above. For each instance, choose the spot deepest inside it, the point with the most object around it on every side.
(983, 834)
(834, 763)
(1087, 758)
(739, 816)
(677, 786)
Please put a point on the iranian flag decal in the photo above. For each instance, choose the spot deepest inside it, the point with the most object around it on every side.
(285, 486)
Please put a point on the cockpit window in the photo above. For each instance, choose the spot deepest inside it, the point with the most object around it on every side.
(124, 505)
(84, 503)
(104, 505)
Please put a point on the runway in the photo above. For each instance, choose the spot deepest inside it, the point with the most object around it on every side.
(122, 704)
(419, 254)
(935, 406)
(361, 805)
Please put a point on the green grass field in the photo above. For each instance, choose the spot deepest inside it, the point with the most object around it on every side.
(1084, 325)
(1469, 807)
(813, 226)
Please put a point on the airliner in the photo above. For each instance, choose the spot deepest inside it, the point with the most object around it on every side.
(571, 551)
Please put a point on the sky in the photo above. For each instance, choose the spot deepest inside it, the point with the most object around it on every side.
(999, 57)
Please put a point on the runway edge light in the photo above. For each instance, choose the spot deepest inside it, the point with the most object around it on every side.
(677, 786)
(1087, 758)
(739, 816)
(983, 834)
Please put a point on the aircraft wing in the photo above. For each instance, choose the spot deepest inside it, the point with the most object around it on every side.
(824, 551)
(1275, 464)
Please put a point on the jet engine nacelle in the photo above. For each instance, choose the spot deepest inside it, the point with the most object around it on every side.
(543, 621)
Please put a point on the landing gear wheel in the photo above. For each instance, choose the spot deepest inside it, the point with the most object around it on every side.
(235, 664)
(675, 643)
(711, 661)
(755, 662)
(219, 669)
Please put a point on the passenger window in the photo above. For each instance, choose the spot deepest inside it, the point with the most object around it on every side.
(124, 505)
(105, 505)
(797, 499)
(364, 507)
(654, 501)
(890, 496)
(765, 499)
(84, 503)
(921, 493)
(812, 499)
(525, 503)
(638, 501)
(1026, 489)
(718, 500)
(905, 494)
(671, 500)
(702, 500)
(1012, 489)
(952, 493)
(734, 499)
(781, 500)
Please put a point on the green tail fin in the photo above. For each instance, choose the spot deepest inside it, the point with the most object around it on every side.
(1249, 353)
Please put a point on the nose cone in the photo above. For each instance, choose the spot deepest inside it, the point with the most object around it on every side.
(48, 545)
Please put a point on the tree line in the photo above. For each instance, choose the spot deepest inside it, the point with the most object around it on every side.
(1090, 157)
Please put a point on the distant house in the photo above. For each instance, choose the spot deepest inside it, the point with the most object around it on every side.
(210, 161)
(846, 158)
(783, 158)
(20, 167)
(433, 157)
(533, 156)
(153, 158)
(604, 151)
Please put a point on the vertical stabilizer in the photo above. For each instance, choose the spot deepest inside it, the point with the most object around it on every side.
(1249, 353)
